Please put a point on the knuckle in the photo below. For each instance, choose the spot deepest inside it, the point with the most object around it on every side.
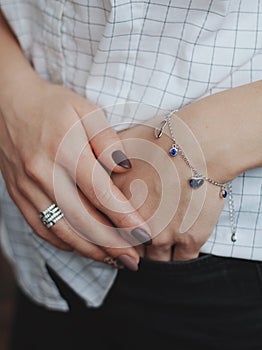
(162, 242)
(55, 241)
(62, 157)
(65, 247)
(33, 167)
(102, 132)
(187, 240)
(124, 220)
(12, 190)
(62, 233)
(21, 185)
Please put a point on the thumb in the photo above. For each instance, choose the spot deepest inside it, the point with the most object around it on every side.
(105, 142)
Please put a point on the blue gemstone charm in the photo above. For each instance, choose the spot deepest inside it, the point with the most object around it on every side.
(196, 182)
(173, 151)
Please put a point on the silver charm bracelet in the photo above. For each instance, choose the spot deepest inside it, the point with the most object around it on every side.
(197, 180)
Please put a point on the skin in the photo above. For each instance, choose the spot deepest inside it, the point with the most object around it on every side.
(35, 116)
(221, 153)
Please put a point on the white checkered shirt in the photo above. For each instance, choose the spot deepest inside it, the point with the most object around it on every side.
(162, 53)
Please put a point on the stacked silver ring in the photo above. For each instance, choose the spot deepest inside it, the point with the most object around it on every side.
(51, 215)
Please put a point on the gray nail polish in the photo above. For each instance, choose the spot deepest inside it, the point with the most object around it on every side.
(142, 236)
(129, 262)
(121, 159)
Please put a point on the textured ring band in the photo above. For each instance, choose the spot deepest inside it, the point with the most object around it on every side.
(51, 215)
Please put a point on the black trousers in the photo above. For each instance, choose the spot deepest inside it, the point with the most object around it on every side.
(209, 303)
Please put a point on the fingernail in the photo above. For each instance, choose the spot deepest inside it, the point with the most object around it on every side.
(129, 262)
(142, 236)
(121, 159)
(113, 262)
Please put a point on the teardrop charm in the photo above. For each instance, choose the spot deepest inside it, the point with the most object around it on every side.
(233, 237)
(196, 182)
(173, 151)
(223, 192)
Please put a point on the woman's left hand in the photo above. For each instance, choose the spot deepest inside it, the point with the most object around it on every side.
(181, 218)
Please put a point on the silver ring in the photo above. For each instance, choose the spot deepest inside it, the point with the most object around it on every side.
(51, 215)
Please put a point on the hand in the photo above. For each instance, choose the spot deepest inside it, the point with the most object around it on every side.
(35, 120)
(187, 216)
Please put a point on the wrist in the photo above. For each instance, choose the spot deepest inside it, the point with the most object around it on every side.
(17, 81)
(15, 69)
(20, 88)
(211, 153)
(228, 128)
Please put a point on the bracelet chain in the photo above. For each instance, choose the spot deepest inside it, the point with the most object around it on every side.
(226, 188)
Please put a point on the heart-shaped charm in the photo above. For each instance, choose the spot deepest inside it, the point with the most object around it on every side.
(223, 193)
(196, 182)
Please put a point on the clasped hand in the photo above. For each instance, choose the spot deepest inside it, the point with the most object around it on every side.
(103, 218)
(181, 218)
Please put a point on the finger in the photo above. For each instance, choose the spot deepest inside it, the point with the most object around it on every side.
(159, 254)
(107, 197)
(105, 142)
(182, 253)
(161, 248)
(93, 226)
(90, 224)
(96, 184)
(188, 244)
(99, 188)
(32, 218)
(51, 236)
(83, 228)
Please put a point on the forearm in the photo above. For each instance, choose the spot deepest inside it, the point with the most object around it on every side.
(14, 66)
(228, 126)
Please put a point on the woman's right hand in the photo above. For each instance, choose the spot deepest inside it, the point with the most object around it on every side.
(36, 118)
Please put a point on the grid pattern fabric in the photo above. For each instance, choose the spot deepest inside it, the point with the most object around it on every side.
(164, 54)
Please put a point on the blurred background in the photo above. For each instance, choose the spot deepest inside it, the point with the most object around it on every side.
(7, 292)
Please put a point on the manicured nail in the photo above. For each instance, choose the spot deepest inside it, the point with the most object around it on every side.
(129, 262)
(121, 159)
(142, 236)
(113, 262)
